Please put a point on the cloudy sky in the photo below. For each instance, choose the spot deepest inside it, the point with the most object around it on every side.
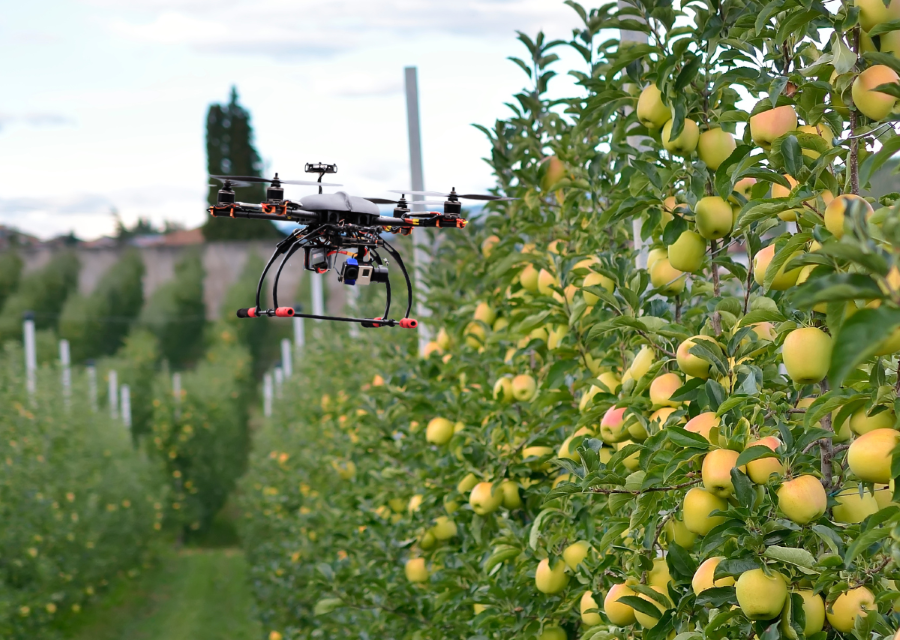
(104, 101)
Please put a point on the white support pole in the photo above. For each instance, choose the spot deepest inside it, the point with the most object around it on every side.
(176, 394)
(267, 395)
(92, 385)
(30, 354)
(421, 238)
(113, 394)
(299, 337)
(626, 35)
(65, 361)
(279, 382)
(318, 298)
(126, 406)
(287, 358)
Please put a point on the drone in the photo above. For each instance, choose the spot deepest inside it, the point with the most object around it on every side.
(334, 224)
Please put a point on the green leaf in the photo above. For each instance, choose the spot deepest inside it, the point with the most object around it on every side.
(688, 72)
(327, 605)
(681, 561)
(682, 438)
(836, 286)
(797, 557)
(501, 553)
(864, 541)
(793, 155)
(884, 27)
(844, 58)
(744, 489)
(644, 606)
(733, 567)
(754, 453)
(859, 338)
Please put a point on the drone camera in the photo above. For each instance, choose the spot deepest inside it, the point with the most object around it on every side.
(352, 273)
(317, 259)
(319, 167)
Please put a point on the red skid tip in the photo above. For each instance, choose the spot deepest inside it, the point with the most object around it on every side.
(409, 323)
(284, 312)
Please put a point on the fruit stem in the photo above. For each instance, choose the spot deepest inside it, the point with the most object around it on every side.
(854, 141)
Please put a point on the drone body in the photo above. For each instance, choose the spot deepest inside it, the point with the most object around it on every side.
(332, 224)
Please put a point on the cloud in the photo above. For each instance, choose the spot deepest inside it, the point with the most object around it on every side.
(35, 119)
(285, 29)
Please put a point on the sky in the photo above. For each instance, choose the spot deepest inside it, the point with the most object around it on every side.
(104, 102)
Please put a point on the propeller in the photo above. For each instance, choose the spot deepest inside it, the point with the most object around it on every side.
(453, 195)
(228, 181)
(273, 181)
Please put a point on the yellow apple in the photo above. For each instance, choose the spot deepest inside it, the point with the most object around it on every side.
(766, 126)
(692, 365)
(620, 614)
(655, 255)
(884, 495)
(685, 143)
(556, 336)
(633, 461)
(669, 280)
(529, 278)
(484, 313)
(814, 608)
(642, 363)
(703, 423)
(443, 339)
(484, 499)
(715, 146)
(803, 499)
(575, 553)
(687, 252)
(836, 210)
(872, 103)
(511, 498)
(698, 505)
(844, 611)
(823, 131)
(503, 390)
(587, 604)
(566, 450)
(652, 112)
(742, 187)
(537, 452)
(594, 279)
(874, 12)
(659, 575)
(556, 171)
(659, 416)
(764, 330)
(439, 431)
(415, 570)
(783, 279)
(679, 534)
(414, 503)
(487, 247)
(851, 508)
(467, 483)
(761, 597)
(703, 577)
(546, 282)
(549, 579)
(475, 335)
(552, 632)
(523, 387)
(609, 380)
(761, 469)
(714, 217)
(444, 528)
(662, 388)
(648, 622)
(614, 426)
(807, 355)
(779, 191)
(861, 423)
(716, 471)
(869, 456)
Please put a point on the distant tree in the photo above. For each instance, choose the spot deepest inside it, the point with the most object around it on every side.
(96, 325)
(176, 313)
(230, 151)
(44, 292)
(10, 272)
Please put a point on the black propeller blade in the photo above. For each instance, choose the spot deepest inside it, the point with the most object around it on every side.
(249, 179)
(453, 195)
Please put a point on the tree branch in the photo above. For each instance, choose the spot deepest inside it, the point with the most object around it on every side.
(638, 492)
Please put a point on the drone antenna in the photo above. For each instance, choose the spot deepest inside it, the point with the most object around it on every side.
(321, 175)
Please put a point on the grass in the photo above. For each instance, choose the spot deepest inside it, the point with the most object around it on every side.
(193, 594)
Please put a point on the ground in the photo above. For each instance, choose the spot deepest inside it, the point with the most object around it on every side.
(192, 594)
